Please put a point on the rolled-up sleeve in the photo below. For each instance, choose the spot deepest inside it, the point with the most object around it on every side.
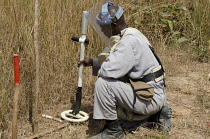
(95, 67)
(120, 62)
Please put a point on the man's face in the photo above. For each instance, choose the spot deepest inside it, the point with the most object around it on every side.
(107, 30)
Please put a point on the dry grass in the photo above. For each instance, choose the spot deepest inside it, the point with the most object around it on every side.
(179, 31)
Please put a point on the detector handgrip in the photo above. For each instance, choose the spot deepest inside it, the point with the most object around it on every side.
(80, 39)
(75, 39)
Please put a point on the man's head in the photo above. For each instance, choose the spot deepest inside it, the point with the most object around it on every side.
(111, 19)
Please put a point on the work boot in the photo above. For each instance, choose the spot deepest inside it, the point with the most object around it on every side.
(165, 118)
(132, 126)
(110, 131)
(161, 119)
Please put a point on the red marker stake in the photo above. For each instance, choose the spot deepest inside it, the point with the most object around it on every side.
(16, 96)
(16, 69)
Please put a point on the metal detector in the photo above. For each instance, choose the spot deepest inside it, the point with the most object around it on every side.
(76, 115)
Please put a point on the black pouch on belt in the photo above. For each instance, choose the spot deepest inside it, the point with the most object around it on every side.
(142, 90)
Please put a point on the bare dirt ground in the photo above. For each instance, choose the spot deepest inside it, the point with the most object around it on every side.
(188, 93)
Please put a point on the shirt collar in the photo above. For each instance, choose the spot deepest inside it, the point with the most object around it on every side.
(122, 32)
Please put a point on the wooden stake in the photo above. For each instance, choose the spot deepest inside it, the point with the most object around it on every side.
(16, 96)
(53, 118)
(37, 67)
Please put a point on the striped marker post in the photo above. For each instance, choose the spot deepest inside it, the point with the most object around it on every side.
(16, 95)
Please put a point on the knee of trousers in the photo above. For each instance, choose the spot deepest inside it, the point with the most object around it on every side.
(100, 84)
(102, 88)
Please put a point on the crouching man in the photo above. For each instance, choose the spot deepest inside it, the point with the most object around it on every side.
(130, 84)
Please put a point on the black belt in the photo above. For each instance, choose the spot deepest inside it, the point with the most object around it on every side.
(150, 76)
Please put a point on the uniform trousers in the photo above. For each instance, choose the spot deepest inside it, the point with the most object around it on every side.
(110, 93)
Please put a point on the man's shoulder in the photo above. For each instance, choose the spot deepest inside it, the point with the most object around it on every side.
(131, 34)
(131, 30)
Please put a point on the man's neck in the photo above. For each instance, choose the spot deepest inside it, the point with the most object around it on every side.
(124, 26)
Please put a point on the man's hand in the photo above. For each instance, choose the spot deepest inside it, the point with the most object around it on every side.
(86, 61)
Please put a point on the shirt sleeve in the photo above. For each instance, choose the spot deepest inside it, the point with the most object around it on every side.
(120, 62)
(95, 67)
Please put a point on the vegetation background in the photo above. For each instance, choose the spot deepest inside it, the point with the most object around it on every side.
(179, 30)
